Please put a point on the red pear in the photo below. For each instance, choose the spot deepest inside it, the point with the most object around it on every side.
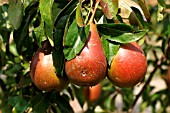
(93, 93)
(43, 72)
(129, 66)
(88, 68)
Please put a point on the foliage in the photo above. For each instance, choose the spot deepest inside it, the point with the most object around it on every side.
(25, 24)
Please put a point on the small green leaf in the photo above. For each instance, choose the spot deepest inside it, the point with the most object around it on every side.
(15, 12)
(13, 49)
(109, 8)
(120, 33)
(75, 40)
(46, 11)
(160, 13)
(110, 48)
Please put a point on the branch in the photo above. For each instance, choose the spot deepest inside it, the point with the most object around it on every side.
(94, 11)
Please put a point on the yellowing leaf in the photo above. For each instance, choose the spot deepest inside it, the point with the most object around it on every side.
(109, 8)
(79, 17)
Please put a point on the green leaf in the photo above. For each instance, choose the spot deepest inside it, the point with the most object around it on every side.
(118, 28)
(58, 56)
(62, 102)
(162, 3)
(75, 40)
(49, 33)
(110, 48)
(58, 60)
(128, 97)
(14, 99)
(19, 103)
(13, 69)
(67, 10)
(109, 8)
(21, 106)
(55, 11)
(46, 11)
(13, 49)
(22, 32)
(160, 13)
(136, 18)
(127, 37)
(120, 33)
(61, 27)
(40, 103)
(108, 102)
(15, 12)
(55, 109)
(79, 94)
(39, 34)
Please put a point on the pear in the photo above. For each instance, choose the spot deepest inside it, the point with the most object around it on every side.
(43, 74)
(129, 66)
(88, 68)
(92, 94)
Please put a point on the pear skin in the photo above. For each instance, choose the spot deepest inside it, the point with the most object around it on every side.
(43, 73)
(129, 66)
(88, 68)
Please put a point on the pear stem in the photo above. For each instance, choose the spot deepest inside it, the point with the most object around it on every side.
(94, 11)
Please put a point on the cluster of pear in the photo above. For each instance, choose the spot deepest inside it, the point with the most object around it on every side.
(90, 67)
